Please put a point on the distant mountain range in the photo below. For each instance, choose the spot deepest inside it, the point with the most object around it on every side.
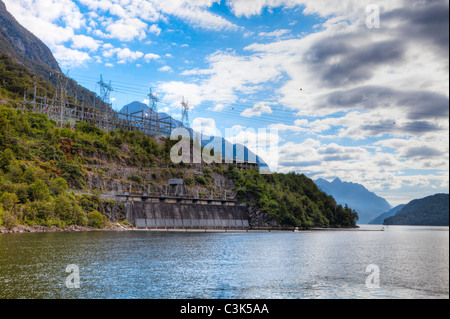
(137, 106)
(367, 204)
(380, 219)
(428, 211)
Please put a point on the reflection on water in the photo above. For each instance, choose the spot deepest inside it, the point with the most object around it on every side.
(413, 263)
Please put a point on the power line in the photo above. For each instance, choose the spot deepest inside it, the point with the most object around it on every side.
(236, 109)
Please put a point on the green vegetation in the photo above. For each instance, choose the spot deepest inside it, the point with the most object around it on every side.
(428, 211)
(96, 219)
(292, 199)
(16, 79)
(39, 162)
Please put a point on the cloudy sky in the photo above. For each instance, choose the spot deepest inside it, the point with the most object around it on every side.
(346, 94)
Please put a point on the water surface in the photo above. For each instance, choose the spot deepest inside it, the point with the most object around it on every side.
(413, 263)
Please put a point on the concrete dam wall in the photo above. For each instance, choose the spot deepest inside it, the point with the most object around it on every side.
(148, 214)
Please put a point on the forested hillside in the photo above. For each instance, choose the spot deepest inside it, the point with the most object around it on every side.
(39, 162)
(429, 211)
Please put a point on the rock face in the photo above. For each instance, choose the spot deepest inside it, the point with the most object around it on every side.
(258, 218)
(22, 45)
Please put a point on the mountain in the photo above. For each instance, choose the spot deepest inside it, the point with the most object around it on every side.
(428, 211)
(380, 219)
(137, 106)
(367, 204)
(23, 46)
(21, 50)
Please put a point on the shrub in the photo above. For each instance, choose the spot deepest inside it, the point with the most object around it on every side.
(58, 186)
(207, 172)
(32, 174)
(22, 193)
(6, 158)
(200, 179)
(10, 220)
(96, 219)
(8, 200)
(188, 181)
(137, 179)
(43, 210)
(2, 215)
(38, 191)
(73, 173)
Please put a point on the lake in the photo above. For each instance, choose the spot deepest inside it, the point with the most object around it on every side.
(412, 262)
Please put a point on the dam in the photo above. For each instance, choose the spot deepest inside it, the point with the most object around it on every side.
(162, 215)
(175, 209)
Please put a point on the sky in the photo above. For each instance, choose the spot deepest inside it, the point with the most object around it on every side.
(354, 89)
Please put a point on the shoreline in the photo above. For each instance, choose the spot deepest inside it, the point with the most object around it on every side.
(116, 227)
(53, 229)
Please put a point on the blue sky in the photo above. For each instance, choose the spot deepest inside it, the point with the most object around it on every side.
(367, 105)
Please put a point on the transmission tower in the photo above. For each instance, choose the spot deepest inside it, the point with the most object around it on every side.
(185, 113)
(105, 90)
(152, 100)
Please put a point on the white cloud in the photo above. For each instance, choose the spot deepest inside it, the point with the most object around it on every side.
(275, 34)
(53, 21)
(70, 58)
(351, 9)
(127, 29)
(218, 107)
(151, 56)
(230, 74)
(155, 29)
(165, 68)
(193, 12)
(174, 91)
(85, 42)
(257, 110)
(123, 55)
(196, 14)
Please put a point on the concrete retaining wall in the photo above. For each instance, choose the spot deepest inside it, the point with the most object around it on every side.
(168, 215)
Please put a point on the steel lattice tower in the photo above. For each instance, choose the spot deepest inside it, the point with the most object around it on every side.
(185, 113)
(105, 90)
(152, 100)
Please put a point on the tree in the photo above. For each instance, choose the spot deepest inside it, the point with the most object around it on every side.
(8, 200)
(2, 215)
(58, 186)
(38, 191)
(96, 219)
